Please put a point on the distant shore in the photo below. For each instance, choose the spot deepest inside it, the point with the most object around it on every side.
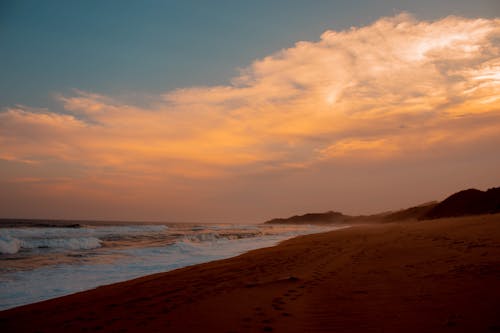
(427, 276)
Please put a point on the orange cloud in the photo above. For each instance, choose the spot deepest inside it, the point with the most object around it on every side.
(384, 90)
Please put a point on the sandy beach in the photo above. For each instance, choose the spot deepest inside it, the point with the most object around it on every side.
(250, 166)
(427, 276)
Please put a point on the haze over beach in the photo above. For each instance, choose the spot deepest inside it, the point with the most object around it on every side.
(289, 166)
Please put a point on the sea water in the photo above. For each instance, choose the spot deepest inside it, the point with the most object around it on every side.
(39, 261)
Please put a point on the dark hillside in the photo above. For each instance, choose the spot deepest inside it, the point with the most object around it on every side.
(467, 202)
(312, 218)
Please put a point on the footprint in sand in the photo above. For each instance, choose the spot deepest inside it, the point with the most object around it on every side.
(278, 300)
(259, 311)
(292, 294)
(247, 321)
(278, 303)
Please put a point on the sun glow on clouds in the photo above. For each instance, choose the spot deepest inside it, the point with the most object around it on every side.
(394, 88)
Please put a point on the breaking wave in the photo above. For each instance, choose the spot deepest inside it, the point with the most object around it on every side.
(11, 245)
(216, 236)
(13, 240)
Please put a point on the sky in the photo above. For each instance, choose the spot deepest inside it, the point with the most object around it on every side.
(243, 111)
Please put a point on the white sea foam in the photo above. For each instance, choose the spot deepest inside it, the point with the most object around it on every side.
(12, 240)
(215, 236)
(82, 243)
(9, 245)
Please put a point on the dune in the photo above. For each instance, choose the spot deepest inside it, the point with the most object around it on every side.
(426, 276)
(467, 202)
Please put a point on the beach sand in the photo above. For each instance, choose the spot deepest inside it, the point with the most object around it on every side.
(427, 276)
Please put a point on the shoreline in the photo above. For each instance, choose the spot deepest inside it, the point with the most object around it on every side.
(202, 246)
(430, 276)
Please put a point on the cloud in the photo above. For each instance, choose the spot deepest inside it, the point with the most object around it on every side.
(389, 90)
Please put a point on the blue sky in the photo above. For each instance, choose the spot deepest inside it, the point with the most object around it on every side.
(125, 47)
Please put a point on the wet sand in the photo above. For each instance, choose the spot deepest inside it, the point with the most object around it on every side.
(428, 276)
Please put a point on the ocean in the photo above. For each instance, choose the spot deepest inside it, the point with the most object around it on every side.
(40, 260)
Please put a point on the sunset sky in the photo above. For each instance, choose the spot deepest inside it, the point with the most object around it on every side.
(241, 111)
